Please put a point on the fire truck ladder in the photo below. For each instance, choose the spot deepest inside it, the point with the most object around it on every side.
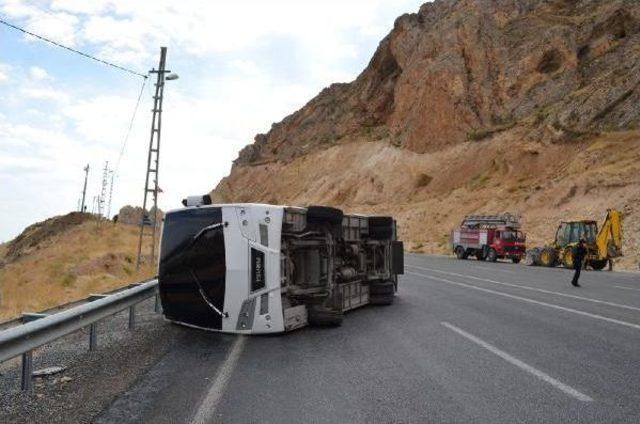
(491, 221)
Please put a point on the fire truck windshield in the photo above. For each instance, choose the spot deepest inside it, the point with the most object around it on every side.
(512, 235)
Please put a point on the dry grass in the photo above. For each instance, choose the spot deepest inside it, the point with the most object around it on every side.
(89, 258)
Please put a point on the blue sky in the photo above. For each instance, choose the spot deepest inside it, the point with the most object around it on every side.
(242, 64)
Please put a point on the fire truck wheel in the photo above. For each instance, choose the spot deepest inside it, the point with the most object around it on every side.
(382, 288)
(460, 253)
(515, 260)
(321, 317)
(492, 255)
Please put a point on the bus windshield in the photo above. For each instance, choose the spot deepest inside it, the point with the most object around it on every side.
(192, 268)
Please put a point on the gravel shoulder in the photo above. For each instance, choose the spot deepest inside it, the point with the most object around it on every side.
(91, 380)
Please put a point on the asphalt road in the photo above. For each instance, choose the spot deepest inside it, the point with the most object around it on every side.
(465, 341)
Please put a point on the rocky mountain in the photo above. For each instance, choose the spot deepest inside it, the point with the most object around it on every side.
(132, 215)
(529, 106)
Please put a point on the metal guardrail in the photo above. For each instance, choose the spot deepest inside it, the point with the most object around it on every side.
(28, 316)
(42, 329)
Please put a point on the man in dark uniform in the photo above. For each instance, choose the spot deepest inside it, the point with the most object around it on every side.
(579, 253)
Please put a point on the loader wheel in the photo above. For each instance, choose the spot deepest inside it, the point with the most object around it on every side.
(321, 317)
(382, 288)
(598, 264)
(492, 255)
(548, 257)
(567, 259)
(460, 253)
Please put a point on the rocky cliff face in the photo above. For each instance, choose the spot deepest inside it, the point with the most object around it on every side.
(469, 105)
(461, 69)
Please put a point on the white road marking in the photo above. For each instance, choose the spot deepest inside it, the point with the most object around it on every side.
(627, 288)
(209, 403)
(535, 302)
(587, 299)
(518, 363)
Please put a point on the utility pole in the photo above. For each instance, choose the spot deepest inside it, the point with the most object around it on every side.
(103, 190)
(110, 195)
(153, 158)
(84, 190)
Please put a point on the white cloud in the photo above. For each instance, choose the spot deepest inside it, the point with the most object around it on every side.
(5, 70)
(44, 93)
(243, 65)
(39, 74)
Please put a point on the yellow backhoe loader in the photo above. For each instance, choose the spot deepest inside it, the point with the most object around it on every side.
(602, 246)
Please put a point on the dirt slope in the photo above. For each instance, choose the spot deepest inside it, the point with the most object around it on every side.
(468, 106)
(66, 258)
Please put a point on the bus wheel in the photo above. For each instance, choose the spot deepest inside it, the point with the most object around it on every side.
(321, 317)
(460, 253)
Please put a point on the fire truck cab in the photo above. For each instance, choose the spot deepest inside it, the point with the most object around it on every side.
(489, 237)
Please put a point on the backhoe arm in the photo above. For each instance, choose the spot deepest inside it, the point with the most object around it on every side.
(609, 239)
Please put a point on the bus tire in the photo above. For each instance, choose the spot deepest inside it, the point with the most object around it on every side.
(381, 299)
(320, 317)
(382, 288)
(322, 214)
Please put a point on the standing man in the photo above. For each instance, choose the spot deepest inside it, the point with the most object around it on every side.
(579, 253)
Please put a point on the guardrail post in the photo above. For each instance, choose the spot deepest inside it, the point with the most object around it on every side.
(93, 336)
(132, 317)
(27, 370)
(156, 307)
(93, 328)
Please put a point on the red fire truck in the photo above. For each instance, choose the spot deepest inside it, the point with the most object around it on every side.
(489, 237)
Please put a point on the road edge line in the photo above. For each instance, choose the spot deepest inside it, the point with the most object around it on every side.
(209, 403)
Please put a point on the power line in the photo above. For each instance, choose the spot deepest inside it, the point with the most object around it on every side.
(133, 117)
(71, 49)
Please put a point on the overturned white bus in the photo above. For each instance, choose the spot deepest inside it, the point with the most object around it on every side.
(255, 269)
